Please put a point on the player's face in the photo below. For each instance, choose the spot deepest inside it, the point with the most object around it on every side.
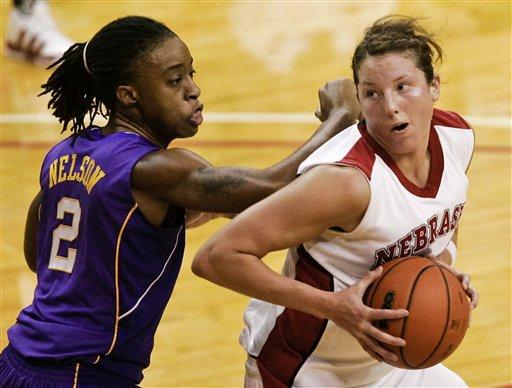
(397, 102)
(168, 96)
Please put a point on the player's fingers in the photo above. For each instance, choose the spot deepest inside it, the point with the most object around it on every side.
(474, 296)
(372, 354)
(375, 347)
(384, 314)
(318, 114)
(368, 278)
(465, 279)
(384, 337)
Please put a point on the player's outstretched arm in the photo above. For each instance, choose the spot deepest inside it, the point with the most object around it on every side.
(297, 213)
(187, 180)
(30, 238)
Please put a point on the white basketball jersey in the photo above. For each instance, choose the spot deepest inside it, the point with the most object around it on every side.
(402, 219)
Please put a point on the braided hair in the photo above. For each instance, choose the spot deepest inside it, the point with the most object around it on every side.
(84, 83)
(396, 33)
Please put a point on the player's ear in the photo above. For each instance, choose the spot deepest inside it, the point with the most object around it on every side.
(127, 95)
(435, 88)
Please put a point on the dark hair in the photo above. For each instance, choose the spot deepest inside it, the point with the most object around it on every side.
(112, 57)
(397, 33)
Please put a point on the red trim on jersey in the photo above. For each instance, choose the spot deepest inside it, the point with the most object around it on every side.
(360, 156)
(436, 163)
(449, 119)
(295, 334)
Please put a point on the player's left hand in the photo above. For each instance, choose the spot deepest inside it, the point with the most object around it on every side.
(338, 95)
(465, 280)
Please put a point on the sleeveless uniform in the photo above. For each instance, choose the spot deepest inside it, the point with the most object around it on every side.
(105, 274)
(290, 348)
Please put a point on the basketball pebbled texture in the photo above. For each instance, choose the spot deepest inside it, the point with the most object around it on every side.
(437, 304)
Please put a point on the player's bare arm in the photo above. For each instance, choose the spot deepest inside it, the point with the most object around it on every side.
(30, 238)
(187, 180)
(304, 209)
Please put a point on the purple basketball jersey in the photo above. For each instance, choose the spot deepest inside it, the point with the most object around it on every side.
(104, 272)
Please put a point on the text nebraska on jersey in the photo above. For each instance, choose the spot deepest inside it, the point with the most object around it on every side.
(418, 239)
(64, 169)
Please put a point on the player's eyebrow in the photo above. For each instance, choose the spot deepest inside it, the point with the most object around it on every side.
(178, 65)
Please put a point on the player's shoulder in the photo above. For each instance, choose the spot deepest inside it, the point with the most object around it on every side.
(456, 135)
(449, 119)
(347, 144)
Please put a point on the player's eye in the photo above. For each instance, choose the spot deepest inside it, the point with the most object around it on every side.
(175, 81)
(403, 86)
(370, 94)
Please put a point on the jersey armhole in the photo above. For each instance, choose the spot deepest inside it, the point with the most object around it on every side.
(471, 151)
(361, 227)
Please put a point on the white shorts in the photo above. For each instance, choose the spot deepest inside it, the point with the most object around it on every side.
(436, 376)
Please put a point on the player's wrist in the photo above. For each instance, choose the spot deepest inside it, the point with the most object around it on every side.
(322, 305)
(342, 116)
(452, 250)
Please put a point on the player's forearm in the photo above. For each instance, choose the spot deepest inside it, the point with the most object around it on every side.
(248, 275)
(286, 170)
(240, 187)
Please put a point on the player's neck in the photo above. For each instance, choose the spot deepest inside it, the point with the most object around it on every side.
(122, 123)
(416, 168)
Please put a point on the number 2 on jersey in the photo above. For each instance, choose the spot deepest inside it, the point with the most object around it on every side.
(67, 233)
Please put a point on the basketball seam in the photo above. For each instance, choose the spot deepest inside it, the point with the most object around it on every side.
(447, 317)
(407, 308)
(370, 299)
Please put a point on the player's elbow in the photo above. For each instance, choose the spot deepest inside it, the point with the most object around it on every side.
(276, 179)
(207, 262)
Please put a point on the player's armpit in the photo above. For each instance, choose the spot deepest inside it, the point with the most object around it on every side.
(195, 218)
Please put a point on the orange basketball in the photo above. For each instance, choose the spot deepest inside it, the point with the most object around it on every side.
(437, 304)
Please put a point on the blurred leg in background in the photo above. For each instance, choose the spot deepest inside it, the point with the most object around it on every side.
(32, 34)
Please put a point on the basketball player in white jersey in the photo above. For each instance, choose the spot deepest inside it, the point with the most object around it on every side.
(393, 185)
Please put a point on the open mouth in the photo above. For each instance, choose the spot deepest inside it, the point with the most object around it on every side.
(197, 117)
(400, 127)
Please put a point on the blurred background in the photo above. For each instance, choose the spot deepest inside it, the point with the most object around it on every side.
(259, 65)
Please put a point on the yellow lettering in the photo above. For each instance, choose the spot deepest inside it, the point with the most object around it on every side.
(90, 169)
(53, 174)
(95, 177)
(80, 176)
(89, 173)
(72, 175)
(62, 163)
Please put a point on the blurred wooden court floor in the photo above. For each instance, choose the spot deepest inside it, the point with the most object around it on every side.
(259, 66)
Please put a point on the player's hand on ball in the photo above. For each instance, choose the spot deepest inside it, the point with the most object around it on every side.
(338, 95)
(464, 278)
(354, 316)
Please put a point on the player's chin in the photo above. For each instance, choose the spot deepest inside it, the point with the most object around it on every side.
(189, 129)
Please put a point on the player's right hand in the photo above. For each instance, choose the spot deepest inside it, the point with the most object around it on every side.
(335, 95)
(354, 316)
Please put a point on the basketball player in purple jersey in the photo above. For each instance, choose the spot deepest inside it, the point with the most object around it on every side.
(106, 233)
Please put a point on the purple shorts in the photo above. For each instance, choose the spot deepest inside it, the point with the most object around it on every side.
(17, 372)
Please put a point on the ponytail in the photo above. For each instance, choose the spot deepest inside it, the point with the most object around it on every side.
(72, 91)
